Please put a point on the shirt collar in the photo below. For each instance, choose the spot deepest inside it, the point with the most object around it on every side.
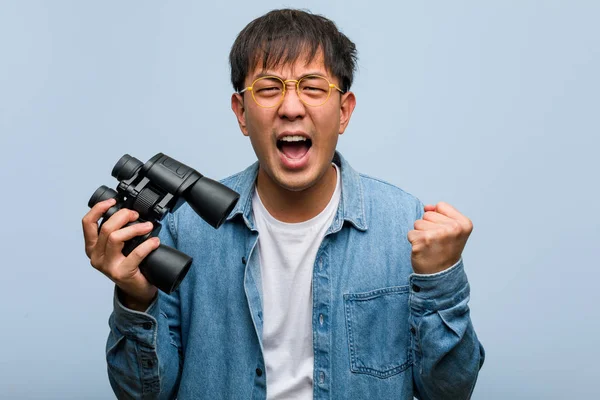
(351, 207)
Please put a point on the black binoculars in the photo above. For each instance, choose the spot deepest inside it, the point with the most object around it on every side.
(162, 185)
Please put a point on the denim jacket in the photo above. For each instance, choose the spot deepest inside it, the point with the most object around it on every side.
(379, 330)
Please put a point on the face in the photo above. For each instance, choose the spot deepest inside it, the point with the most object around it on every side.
(294, 143)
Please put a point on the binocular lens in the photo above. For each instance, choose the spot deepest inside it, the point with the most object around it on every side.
(101, 194)
(166, 267)
(126, 167)
(211, 200)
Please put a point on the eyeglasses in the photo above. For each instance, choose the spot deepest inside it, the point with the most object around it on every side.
(269, 91)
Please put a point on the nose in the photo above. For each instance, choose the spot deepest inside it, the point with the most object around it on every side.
(291, 107)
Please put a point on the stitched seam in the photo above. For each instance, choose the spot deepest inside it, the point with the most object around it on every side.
(376, 293)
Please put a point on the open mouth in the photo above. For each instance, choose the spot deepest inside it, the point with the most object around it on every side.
(294, 147)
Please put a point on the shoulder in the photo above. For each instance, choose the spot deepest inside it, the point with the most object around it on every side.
(383, 187)
(374, 200)
(378, 188)
(233, 181)
(388, 200)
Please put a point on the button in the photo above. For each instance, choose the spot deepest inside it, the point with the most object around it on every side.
(321, 319)
(182, 170)
(320, 263)
(416, 288)
(321, 377)
(258, 372)
(147, 325)
(244, 260)
(147, 363)
(413, 330)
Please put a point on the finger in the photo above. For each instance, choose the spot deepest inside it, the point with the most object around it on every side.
(424, 225)
(115, 222)
(451, 212)
(447, 210)
(90, 222)
(437, 218)
(116, 240)
(133, 260)
(429, 207)
(415, 236)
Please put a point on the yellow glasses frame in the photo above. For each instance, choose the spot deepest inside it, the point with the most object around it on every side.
(284, 84)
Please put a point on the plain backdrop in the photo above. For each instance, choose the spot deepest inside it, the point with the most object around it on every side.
(491, 106)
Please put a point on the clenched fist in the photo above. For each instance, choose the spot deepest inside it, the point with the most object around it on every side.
(439, 238)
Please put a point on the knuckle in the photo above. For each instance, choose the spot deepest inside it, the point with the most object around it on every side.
(447, 233)
(105, 229)
(121, 275)
(145, 227)
(413, 241)
(113, 238)
(469, 225)
(94, 262)
(140, 252)
(116, 275)
(119, 215)
(455, 228)
(116, 272)
(428, 237)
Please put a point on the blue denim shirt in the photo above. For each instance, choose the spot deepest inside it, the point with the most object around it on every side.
(379, 330)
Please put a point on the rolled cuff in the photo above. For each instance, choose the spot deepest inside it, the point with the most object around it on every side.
(441, 290)
(136, 325)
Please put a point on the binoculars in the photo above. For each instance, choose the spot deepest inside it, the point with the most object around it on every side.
(162, 185)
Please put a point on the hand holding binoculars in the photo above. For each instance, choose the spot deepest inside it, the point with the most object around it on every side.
(153, 189)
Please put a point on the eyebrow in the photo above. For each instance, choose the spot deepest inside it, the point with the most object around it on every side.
(263, 74)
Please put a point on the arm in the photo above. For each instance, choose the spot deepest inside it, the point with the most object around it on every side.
(143, 350)
(447, 354)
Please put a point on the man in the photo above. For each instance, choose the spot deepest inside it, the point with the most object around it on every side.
(317, 285)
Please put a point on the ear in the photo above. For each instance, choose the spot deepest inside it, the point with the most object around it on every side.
(347, 104)
(237, 105)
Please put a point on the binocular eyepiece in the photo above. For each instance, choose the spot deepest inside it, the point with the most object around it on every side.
(162, 185)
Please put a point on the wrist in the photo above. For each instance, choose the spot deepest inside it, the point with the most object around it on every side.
(432, 269)
(135, 303)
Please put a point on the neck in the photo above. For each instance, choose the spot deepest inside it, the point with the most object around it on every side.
(296, 206)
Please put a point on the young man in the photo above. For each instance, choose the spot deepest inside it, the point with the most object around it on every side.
(323, 283)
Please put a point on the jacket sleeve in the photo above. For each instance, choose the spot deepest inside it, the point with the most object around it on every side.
(143, 350)
(447, 354)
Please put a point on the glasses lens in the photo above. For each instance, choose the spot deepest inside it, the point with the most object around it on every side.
(267, 91)
(314, 90)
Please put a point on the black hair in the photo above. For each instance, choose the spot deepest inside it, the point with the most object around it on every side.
(280, 37)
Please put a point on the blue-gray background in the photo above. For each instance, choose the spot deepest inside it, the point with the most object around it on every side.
(490, 106)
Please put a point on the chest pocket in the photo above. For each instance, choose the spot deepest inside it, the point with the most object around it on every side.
(378, 336)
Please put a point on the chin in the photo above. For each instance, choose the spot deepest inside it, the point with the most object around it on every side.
(296, 185)
(299, 181)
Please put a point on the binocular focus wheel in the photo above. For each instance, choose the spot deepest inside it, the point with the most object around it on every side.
(145, 201)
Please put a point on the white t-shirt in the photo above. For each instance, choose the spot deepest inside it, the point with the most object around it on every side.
(287, 253)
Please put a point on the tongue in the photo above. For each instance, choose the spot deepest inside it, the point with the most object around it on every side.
(294, 149)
